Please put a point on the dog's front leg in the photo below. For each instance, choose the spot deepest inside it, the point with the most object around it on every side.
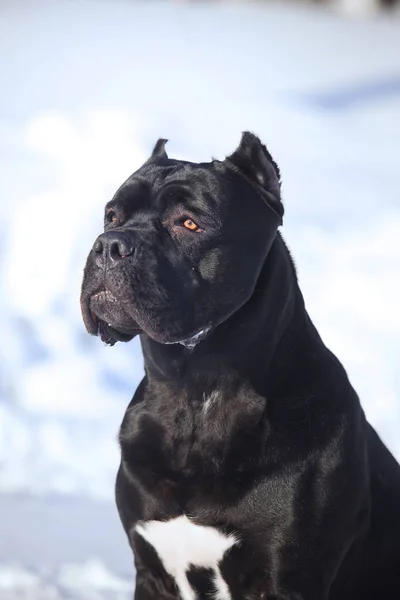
(323, 595)
(314, 589)
(306, 567)
(152, 581)
(151, 587)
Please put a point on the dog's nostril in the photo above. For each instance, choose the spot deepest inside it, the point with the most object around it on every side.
(98, 247)
(120, 249)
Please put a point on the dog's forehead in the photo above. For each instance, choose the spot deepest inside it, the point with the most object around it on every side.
(165, 170)
(155, 175)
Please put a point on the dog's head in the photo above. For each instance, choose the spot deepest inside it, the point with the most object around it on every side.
(183, 245)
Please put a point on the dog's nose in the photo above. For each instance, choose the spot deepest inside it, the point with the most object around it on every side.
(112, 246)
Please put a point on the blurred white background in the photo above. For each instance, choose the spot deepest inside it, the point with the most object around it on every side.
(87, 86)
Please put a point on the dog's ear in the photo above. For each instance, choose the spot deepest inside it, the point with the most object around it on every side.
(254, 161)
(159, 149)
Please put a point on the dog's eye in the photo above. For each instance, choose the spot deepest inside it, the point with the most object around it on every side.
(190, 224)
(111, 217)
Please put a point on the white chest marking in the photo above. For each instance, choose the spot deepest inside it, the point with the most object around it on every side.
(209, 401)
(181, 543)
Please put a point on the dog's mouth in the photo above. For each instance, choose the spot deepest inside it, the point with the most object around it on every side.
(103, 316)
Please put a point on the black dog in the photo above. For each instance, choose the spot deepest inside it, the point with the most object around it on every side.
(248, 469)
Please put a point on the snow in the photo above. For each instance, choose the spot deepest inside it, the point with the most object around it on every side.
(87, 88)
(89, 581)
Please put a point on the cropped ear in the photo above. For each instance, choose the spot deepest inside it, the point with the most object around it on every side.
(254, 161)
(159, 149)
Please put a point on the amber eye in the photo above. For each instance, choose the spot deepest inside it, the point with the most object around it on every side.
(111, 216)
(190, 224)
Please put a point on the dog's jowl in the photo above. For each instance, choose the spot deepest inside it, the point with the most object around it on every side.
(248, 470)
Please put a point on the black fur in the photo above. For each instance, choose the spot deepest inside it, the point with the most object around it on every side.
(283, 456)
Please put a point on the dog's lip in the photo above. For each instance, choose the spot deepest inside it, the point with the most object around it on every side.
(98, 326)
(90, 320)
(109, 335)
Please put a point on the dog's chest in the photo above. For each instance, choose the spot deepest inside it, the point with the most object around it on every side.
(193, 433)
(184, 547)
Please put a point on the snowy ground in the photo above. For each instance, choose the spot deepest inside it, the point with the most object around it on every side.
(87, 87)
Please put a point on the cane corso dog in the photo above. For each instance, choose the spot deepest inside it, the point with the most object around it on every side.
(248, 469)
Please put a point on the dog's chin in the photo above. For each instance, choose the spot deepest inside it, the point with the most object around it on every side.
(103, 316)
(109, 335)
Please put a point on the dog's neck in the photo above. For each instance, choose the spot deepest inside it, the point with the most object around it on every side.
(253, 344)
